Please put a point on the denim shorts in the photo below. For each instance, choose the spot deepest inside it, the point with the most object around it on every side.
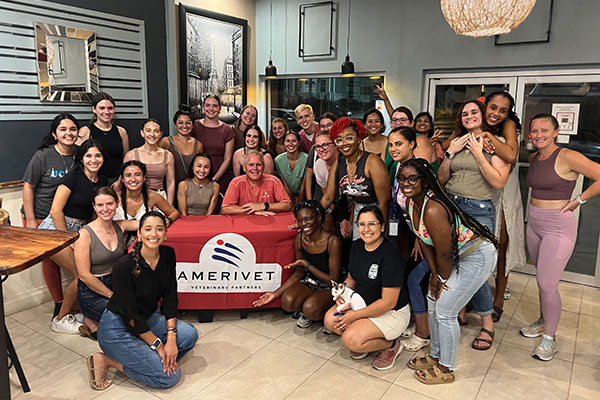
(72, 224)
(91, 303)
(481, 210)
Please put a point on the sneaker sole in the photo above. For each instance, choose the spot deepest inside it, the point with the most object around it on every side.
(538, 357)
(531, 336)
(361, 357)
(65, 332)
(391, 364)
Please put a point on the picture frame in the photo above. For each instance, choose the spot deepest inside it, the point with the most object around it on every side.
(213, 58)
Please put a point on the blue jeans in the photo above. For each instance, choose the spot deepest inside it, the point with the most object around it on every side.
(139, 361)
(91, 303)
(461, 286)
(415, 293)
(485, 213)
(72, 225)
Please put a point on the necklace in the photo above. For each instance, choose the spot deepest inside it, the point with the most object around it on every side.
(62, 158)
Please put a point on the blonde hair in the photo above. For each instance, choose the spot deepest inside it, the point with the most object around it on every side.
(303, 107)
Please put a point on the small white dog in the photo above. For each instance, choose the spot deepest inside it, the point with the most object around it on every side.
(348, 295)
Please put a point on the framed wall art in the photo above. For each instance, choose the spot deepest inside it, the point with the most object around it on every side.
(213, 58)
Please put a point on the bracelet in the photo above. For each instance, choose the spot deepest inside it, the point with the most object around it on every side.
(442, 280)
(174, 330)
(580, 200)
(306, 267)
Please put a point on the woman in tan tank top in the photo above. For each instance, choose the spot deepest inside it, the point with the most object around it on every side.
(198, 195)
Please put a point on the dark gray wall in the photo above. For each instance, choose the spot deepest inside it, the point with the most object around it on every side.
(20, 139)
(404, 38)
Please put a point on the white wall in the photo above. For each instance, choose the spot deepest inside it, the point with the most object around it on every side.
(406, 37)
(25, 289)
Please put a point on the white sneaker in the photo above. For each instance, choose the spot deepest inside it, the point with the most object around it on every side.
(67, 325)
(546, 349)
(536, 329)
(79, 317)
(303, 322)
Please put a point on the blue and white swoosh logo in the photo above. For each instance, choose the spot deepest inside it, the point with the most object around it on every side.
(225, 255)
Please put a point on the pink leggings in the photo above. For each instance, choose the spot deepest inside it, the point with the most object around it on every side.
(550, 238)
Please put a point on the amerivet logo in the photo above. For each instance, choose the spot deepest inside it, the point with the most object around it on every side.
(228, 264)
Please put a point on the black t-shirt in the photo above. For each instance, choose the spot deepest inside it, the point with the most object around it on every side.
(374, 270)
(136, 298)
(79, 205)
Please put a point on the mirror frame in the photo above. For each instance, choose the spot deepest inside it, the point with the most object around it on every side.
(42, 30)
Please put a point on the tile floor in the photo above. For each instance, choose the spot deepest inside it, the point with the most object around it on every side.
(267, 357)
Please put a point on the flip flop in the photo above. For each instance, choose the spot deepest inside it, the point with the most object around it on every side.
(92, 378)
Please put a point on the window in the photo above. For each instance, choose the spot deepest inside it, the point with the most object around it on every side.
(350, 97)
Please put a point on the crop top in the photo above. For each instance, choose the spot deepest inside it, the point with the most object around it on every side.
(545, 183)
(155, 172)
(101, 258)
(463, 233)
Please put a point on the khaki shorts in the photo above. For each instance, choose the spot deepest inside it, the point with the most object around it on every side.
(393, 322)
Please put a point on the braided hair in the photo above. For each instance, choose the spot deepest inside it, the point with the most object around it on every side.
(313, 205)
(136, 252)
(430, 182)
(142, 168)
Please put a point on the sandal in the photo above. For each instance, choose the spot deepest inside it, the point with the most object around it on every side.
(435, 376)
(85, 331)
(488, 341)
(409, 331)
(497, 314)
(415, 343)
(92, 378)
(421, 363)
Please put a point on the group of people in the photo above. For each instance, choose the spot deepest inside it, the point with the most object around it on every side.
(413, 224)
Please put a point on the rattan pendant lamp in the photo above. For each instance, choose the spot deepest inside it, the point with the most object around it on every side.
(485, 17)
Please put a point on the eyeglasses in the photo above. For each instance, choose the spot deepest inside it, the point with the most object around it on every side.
(345, 140)
(370, 224)
(323, 147)
(400, 120)
(413, 179)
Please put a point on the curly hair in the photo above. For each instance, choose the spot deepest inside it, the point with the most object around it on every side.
(460, 129)
(342, 123)
(511, 111)
(430, 182)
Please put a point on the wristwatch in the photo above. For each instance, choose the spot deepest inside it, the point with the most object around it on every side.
(267, 205)
(448, 155)
(155, 344)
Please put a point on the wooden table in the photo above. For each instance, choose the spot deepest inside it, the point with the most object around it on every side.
(20, 248)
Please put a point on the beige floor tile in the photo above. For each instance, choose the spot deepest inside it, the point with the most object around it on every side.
(269, 323)
(349, 384)
(126, 391)
(40, 356)
(585, 383)
(214, 355)
(396, 392)
(514, 374)
(471, 368)
(38, 318)
(525, 314)
(272, 373)
(590, 301)
(67, 382)
(587, 348)
(203, 328)
(312, 340)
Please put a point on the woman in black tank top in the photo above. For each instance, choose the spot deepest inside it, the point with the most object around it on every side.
(318, 262)
(113, 138)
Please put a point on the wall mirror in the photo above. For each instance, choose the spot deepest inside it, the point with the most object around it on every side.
(67, 63)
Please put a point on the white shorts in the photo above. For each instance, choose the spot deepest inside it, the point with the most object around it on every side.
(393, 322)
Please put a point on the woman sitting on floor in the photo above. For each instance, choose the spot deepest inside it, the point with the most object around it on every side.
(318, 257)
(138, 332)
(100, 244)
(376, 273)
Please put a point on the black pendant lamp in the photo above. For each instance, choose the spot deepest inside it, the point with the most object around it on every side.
(347, 65)
(270, 69)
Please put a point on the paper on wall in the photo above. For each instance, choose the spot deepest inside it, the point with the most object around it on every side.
(567, 116)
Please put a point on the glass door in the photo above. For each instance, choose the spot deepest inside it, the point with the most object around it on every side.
(538, 95)
(446, 95)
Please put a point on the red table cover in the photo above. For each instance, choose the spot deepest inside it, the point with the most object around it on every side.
(228, 261)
